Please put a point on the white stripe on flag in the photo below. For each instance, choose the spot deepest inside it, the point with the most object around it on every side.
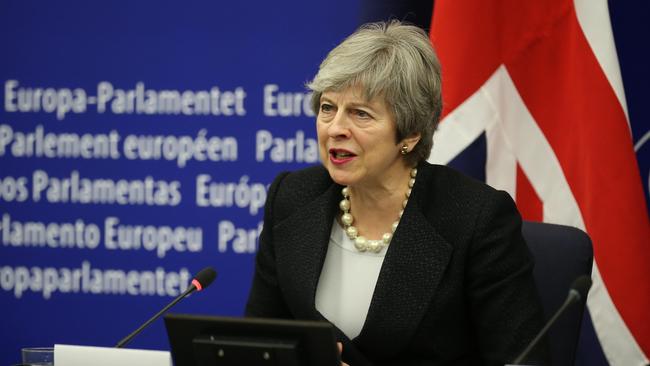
(533, 152)
(593, 17)
(460, 128)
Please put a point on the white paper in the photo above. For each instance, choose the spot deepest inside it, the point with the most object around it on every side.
(67, 355)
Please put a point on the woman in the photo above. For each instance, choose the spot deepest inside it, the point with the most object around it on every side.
(413, 263)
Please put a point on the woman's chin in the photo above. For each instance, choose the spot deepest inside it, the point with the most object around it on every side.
(340, 177)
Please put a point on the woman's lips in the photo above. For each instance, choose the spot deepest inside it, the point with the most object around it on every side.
(340, 156)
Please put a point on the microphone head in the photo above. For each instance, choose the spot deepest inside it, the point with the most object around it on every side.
(581, 286)
(204, 278)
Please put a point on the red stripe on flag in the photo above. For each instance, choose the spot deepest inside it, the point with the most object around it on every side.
(568, 95)
(528, 202)
(472, 38)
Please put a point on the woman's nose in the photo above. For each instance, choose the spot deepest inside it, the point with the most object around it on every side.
(339, 127)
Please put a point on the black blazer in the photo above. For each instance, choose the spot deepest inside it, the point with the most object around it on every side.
(455, 287)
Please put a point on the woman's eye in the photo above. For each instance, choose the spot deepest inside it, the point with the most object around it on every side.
(326, 108)
(362, 114)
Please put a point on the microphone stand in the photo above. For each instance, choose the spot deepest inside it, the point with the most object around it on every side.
(573, 297)
(128, 338)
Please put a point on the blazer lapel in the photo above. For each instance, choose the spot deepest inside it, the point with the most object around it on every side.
(303, 239)
(414, 265)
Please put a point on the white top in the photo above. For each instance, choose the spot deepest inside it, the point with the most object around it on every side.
(347, 283)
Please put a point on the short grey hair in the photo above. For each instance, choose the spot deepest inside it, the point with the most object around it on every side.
(395, 61)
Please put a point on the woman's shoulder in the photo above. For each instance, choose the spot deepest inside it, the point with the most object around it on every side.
(453, 199)
(292, 190)
(304, 182)
(449, 182)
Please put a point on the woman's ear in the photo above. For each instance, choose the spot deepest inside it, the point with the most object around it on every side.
(411, 141)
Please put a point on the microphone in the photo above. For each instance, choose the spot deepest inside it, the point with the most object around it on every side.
(202, 280)
(579, 289)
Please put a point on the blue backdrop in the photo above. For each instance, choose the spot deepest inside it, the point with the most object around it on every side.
(137, 143)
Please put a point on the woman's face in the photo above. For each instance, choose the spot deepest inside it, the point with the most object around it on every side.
(356, 139)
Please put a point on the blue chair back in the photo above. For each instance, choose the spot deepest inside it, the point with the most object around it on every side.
(562, 254)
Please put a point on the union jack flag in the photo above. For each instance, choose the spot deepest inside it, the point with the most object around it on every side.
(539, 83)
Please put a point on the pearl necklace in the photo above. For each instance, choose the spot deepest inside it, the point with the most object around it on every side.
(361, 243)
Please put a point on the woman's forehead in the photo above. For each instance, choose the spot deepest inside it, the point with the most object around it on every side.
(354, 94)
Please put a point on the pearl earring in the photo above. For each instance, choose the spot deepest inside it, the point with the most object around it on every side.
(404, 150)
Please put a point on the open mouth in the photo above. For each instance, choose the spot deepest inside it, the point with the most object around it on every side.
(340, 154)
